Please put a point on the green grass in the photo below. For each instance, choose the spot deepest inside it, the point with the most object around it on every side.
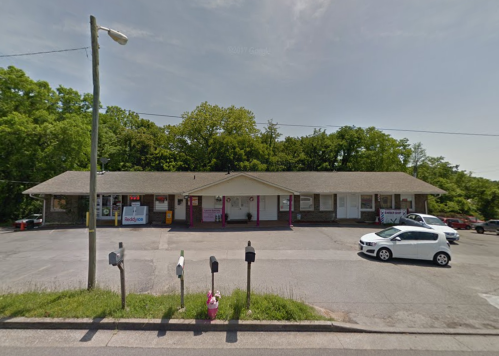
(101, 303)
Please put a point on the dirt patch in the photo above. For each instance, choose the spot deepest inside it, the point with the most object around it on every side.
(336, 316)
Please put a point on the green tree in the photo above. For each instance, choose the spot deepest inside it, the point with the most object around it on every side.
(418, 156)
(214, 137)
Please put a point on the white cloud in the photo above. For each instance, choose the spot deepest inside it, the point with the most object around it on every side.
(214, 4)
(309, 9)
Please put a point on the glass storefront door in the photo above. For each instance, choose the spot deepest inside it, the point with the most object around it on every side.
(108, 205)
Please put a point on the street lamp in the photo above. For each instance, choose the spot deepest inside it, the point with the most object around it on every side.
(92, 223)
(104, 160)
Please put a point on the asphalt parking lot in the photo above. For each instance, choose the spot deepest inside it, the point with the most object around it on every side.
(318, 265)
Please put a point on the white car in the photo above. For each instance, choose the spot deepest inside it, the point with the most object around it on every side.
(407, 242)
(35, 219)
(430, 222)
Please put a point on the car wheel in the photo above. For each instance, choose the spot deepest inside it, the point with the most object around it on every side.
(442, 259)
(384, 254)
(468, 227)
(479, 230)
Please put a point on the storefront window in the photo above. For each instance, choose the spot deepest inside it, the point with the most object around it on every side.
(134, 199)
(407, 202)
(366, 202)
(326, 202)
(58, 203)
(160, 202)
(385, 201)
(108, 206)
(284, 203)
(306, 202)
(219, 202)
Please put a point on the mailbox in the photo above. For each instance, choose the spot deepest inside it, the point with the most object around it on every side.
(213, 264)
(180, 267)
(250, 254)
(117, 256)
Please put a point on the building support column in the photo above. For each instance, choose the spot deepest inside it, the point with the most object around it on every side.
(257, 210)
(290, 209)
(223, 211)
(190, 211)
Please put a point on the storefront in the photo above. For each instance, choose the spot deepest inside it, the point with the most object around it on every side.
(197, 197)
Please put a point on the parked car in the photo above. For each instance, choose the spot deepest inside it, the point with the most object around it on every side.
(430, 222)
(35, 218)
(489, 226)
(457, 223)
(407, 242)
(474, 219)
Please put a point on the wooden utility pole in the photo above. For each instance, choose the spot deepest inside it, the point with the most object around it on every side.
(92, 224)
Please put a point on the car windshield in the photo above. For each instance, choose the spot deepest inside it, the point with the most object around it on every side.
(33, 217)
(387, 233)
(431, 220)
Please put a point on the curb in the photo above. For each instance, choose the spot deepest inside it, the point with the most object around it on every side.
(222, 326)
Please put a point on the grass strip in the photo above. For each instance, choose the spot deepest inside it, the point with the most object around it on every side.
(102, 303)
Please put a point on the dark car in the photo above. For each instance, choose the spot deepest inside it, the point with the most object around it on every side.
(457, 223)
(489, 226)
(34, 220)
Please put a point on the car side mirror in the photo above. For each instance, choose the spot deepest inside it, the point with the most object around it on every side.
(397, 239)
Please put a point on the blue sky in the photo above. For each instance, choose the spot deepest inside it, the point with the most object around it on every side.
(430, 65)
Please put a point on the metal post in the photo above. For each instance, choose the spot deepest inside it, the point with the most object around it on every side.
(92, 235)
(213, 283)
(182, 284)
(121, 266)
(248, 293)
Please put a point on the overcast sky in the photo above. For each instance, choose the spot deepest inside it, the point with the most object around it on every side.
(430, 65)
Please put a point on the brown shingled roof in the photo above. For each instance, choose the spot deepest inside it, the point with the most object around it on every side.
(77, 183)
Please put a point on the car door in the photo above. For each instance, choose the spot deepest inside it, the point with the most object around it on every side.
(427, 245)
(407, 246)
(410, 220)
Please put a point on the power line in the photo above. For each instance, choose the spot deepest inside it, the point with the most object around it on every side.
(338, 126)
(438, 132)
(18, 181)
(144, 113)
(35, 53)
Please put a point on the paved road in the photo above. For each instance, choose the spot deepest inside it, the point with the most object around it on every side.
(319, 265)
(108, 342)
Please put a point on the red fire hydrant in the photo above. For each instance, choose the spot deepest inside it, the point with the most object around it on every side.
(212, 304)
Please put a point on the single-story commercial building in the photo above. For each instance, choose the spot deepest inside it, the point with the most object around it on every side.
(222, 197)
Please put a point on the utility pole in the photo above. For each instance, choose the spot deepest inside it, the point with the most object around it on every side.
(92, 234)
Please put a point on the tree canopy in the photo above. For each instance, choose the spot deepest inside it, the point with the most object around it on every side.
(44, 132)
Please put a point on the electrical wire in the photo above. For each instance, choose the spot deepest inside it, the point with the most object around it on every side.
(338, 126)
(45, 52)
(18, 181)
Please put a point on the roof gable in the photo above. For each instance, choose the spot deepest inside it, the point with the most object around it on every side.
(241, 185)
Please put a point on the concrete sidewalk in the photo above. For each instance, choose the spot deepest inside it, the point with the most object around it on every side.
(223, 326)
